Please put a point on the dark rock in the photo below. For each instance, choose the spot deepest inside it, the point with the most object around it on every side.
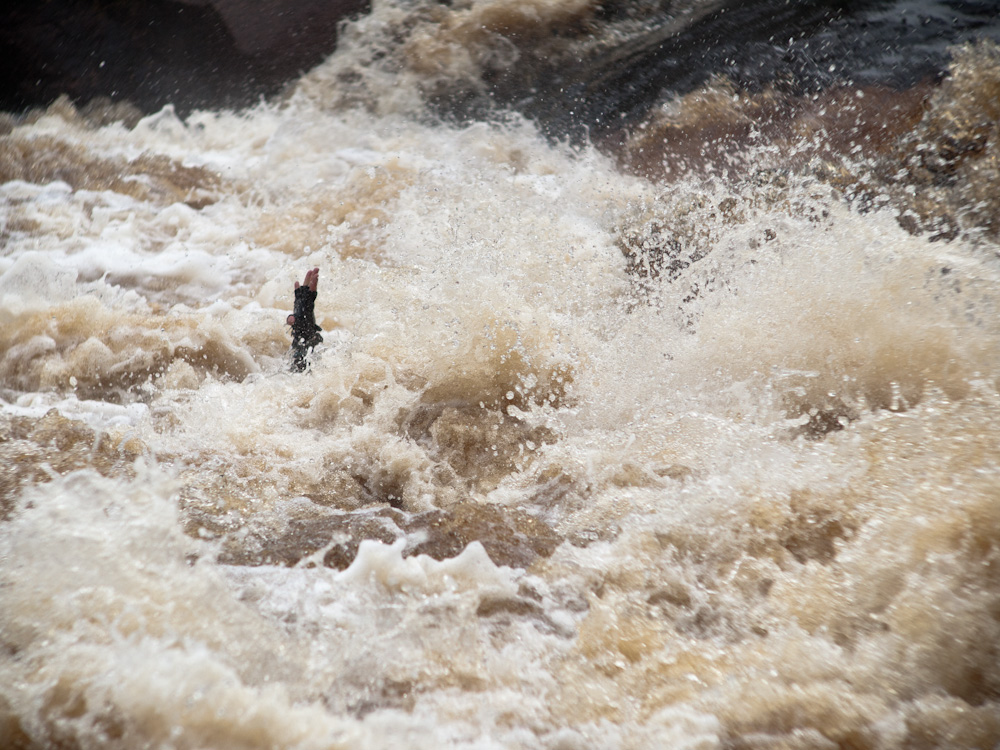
(595, 89)
(228, 53)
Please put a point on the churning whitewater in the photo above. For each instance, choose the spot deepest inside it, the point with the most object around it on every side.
(688, 441)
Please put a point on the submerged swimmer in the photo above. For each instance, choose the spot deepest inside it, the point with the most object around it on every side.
(305, 332)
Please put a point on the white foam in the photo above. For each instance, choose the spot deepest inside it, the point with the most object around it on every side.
(98, 415)
(35, 281)
(385, 565)
(715, 569)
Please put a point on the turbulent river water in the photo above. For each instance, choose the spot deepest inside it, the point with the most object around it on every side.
(681, 437)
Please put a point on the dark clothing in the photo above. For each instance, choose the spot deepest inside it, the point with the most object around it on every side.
(305, 332)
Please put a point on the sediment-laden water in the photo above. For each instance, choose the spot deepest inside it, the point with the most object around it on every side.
(686, 438)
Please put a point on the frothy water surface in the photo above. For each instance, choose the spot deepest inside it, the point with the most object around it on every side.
(693, 459)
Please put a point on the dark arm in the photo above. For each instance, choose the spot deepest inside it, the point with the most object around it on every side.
(305, 332)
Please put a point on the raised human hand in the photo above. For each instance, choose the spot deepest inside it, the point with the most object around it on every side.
(311, 281)
(305, 331)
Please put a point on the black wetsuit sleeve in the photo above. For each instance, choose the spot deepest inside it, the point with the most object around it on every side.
(305, 332)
